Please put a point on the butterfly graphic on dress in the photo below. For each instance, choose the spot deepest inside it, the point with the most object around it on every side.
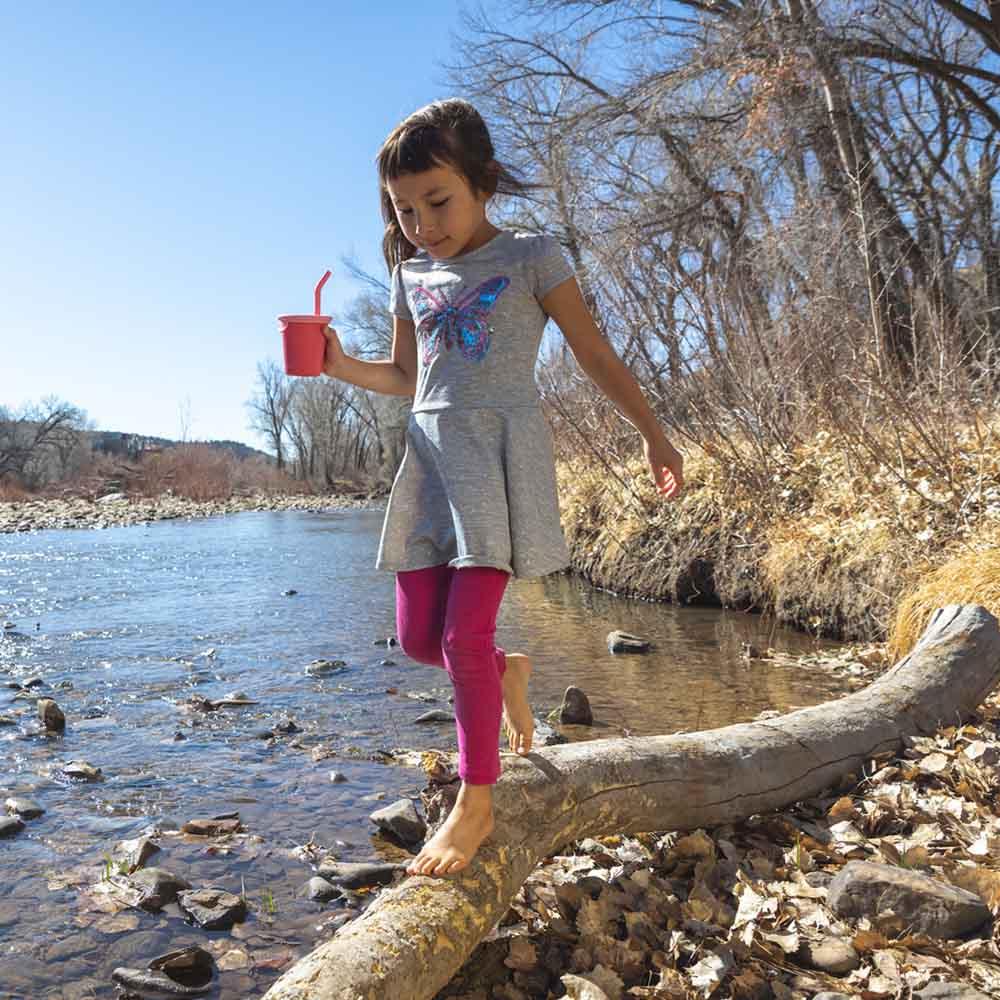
(464, 322)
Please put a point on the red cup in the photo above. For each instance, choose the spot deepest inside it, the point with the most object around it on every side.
(304, 343)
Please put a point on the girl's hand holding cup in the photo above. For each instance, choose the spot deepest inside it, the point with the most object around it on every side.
(334, 354)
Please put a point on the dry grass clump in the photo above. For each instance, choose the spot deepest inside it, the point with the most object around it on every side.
(826, 534)
(971, 578)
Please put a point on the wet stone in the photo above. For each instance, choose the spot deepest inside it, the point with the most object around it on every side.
(213, 909)
(575, 708)
(625, 642)
(213, 827)
(186, 963)
(70, 947)
(321, 891)
(51, 715)
(359, 875)
(436, 715)
(135, 853)
(24, 808)
(158, 983)
(80, 770)
(158, 887)
(9, 826)
(323, 668)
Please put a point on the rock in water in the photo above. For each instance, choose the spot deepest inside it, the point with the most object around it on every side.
(24, 808)
(9, 825)
(51, 715)
(158, 887)
(625, 642)
(148, 983)
(213, 909)
(575, 708)
(359, 875)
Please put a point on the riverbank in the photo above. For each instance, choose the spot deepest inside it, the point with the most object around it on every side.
(824, 548)
(884, 886)
(117, 509)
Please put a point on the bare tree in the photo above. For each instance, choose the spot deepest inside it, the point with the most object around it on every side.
(38, 441)
(269, 407)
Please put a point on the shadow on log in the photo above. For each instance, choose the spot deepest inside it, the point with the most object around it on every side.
(410, 942)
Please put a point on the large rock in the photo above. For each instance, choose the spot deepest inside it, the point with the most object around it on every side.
(401, 820)
(938, 909)
(949, 991)
(575, 708)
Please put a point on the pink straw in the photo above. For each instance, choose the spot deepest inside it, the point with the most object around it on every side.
(319, 289)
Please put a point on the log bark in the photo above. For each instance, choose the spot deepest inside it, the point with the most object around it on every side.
(410, 942)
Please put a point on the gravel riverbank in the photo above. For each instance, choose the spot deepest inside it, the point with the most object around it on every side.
(117, 509)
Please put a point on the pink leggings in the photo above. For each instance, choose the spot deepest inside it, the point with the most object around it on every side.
(447, 617)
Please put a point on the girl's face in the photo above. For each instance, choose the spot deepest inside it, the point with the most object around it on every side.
(439, 212)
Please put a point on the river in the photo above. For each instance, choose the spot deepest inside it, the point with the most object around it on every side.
(125, 625)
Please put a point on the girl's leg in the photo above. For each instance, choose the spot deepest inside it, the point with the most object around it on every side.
(421, 600)
(475, 665)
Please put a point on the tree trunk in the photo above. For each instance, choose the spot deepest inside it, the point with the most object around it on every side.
(415, 936)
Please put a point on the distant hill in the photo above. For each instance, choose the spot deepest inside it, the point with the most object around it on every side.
(135, 445)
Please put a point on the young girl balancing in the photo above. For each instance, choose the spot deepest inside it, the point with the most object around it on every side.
(474, 500)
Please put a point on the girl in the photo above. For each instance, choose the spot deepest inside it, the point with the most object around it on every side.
(474, 501)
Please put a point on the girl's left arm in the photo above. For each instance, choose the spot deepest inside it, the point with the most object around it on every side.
(565, 304)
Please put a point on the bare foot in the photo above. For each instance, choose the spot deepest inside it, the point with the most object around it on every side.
(468, 824)
(518, 720)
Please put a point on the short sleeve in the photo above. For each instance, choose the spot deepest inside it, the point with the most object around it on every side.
(397, 295)
(549, 267)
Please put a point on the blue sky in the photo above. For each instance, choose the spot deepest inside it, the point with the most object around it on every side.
(175, 175)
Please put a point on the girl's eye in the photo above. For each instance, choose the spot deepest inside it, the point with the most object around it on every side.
(434, 204)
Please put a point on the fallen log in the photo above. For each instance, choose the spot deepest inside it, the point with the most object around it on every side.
(410, 942)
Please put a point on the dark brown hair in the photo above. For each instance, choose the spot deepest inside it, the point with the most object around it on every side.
(450, 133)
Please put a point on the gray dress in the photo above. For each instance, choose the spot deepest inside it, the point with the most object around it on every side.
(477, 485)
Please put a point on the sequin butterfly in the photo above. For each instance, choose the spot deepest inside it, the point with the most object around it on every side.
(465, 321)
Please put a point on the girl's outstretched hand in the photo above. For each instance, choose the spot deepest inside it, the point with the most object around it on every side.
(333, 353)
(666, 465)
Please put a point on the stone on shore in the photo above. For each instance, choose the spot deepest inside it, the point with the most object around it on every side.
(401, 820)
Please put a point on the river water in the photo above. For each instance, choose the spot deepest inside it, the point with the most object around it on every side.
(125, 625)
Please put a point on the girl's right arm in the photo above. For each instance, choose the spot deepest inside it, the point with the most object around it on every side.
(395, 376)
